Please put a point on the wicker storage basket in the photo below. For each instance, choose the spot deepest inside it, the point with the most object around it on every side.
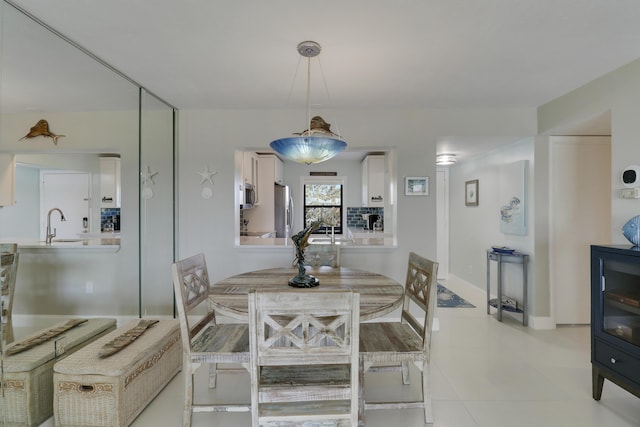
(90, 391)
(28, 376)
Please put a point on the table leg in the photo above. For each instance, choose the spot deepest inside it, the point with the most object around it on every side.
(525, 319)
(488, 283)
(499, 281)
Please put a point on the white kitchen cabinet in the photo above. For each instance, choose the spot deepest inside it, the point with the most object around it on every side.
(250, 173)
(262, 217)
(271, 171)
(373, 193)
(109, 182)
(250, 168)
(278, 177)
(7, 179)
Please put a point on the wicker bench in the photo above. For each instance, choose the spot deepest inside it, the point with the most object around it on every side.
(113, 391)
(28, 376)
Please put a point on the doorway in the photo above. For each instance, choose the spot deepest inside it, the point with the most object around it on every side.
(71, 193)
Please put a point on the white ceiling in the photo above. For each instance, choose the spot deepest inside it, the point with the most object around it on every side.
(235, 54)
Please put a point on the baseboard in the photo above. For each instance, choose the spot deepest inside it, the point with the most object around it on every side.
(541, 323)
(534, 322)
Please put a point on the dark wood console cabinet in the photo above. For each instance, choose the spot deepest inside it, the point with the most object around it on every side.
(615, 317)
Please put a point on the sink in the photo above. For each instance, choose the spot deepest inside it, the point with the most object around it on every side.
(66, 240)
(325, 240)
(261, 234)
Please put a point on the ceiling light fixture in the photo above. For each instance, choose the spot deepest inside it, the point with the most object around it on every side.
(445, 159)
(317, 143)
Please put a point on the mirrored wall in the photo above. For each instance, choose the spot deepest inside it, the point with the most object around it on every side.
(92, 111)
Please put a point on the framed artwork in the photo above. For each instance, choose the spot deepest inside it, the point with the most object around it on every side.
(416, 185)
(513, 200)
(471, 196)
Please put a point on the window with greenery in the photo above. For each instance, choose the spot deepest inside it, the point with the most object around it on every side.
(323, 202)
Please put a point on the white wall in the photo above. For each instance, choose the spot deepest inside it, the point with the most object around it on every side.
(474, 229)
(209, 225)
(213, 136)
(618, 92)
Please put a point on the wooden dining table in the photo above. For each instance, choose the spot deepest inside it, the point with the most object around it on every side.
(379, 294)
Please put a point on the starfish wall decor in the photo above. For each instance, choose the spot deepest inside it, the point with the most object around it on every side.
(206, 175)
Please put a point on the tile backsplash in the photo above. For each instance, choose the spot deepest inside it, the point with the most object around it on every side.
(110, 219)
(355, 220)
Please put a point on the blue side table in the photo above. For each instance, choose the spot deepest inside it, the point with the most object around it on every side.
(510, 258)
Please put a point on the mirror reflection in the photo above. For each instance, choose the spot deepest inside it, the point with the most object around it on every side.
(351, 195)
(82, 188)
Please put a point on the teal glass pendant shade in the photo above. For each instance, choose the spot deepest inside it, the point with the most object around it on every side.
(308, 149)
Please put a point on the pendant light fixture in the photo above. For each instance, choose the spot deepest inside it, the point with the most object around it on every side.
(317, 143)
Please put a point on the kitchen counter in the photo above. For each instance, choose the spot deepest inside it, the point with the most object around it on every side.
(355, 238)
(265, 241)
(110, 244)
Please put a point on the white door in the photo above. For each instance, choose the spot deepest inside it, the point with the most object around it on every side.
(69, 192)
(580, 216)
(442, 222)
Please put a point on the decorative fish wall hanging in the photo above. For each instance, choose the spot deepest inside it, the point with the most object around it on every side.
(42, 129)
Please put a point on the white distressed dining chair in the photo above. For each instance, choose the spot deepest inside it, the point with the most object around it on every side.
(8, 271)
(398, 343)
(304, 357)
(203, 339)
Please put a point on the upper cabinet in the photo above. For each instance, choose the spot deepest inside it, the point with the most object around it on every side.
(250, 168)
(278, 177)
(271, 171)
(7, 179)
(109, 182)
(373, 181)
(250, 174)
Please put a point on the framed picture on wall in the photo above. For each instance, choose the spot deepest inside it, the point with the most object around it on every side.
(416, 185)
(471, 196)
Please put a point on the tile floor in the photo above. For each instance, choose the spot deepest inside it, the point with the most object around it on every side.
(485, 374)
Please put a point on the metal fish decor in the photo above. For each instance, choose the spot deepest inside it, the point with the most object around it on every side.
(42, 129)
(631, 230)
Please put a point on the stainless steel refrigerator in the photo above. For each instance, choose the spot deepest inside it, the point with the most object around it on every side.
(283, 210)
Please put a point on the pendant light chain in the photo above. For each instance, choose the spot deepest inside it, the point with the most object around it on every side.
(309, 94)
(326, 89)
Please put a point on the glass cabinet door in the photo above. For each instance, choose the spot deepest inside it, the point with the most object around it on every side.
(621, 299)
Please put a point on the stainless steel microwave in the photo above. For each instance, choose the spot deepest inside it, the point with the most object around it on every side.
(249, 196)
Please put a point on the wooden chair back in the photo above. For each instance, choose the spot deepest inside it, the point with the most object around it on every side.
(8, 272)
(421, 292)
(191, 286)
(305, 337)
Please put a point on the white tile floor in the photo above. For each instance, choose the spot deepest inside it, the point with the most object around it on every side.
(485, 374)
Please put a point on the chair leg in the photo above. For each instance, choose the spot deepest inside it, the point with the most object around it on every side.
(213, 375)
(426, 393)
(405, 373)
(188, 396)
(361, 420)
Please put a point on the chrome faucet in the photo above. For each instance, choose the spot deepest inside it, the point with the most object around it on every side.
(51, 235)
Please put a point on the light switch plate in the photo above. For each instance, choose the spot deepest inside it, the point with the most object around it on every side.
(630, 193)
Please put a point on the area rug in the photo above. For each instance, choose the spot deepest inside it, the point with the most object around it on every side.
(448, 298)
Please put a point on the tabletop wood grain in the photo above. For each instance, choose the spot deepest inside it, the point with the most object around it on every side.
(379, 295)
